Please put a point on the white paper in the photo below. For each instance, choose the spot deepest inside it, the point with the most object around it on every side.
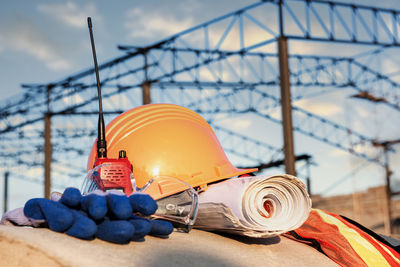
(256, 206)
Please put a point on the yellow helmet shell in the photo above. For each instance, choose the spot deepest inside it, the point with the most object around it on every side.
(165, 140)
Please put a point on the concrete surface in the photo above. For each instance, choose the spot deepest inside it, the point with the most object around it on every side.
(22, 246)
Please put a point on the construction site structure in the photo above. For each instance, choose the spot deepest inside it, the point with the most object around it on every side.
(256, 63)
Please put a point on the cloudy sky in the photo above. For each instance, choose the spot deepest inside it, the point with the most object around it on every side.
(41, 41)
(45, 40)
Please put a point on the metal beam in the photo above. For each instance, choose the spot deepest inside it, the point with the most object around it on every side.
(286, 107)
(387, 209)
(146, 93)
(47, 155)
(5, 199)
(230, 67)
(47, 146)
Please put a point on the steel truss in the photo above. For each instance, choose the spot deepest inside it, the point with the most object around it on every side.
(224, 67)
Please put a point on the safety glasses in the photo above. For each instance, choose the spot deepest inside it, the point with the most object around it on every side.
(177, 201)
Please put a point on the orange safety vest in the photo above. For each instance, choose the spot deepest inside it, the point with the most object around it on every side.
(344, 242)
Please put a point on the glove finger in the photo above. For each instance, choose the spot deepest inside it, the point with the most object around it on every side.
(71, 197)
(58, 217)
(119, 232)
(83, 227)
(161, 228)
(119, 207)
(95, 205)
(142, 227)
(32, 209)
(143, 203)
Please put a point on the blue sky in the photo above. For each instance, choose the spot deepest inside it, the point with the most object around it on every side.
(42, 41)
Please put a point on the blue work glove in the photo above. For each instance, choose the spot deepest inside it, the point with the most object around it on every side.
(108, 216)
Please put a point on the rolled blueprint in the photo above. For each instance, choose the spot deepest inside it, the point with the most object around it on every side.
(256, 206)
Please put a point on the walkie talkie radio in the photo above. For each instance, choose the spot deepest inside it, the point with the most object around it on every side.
(108, 173)
(180, 208)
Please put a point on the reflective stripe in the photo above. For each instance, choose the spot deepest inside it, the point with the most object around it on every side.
(391, 256)
(389, 252)
(330, 240)
(363, 248)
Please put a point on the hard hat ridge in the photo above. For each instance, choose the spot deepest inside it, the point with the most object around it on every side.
(166, 140)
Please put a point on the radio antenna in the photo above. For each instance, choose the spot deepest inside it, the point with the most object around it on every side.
(101, 132)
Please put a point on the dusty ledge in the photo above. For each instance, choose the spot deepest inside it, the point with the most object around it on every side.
(22, 246)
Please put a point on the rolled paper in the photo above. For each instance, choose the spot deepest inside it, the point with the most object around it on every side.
(257, 206)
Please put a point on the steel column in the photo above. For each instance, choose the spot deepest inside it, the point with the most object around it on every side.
(146, 93)
(388, 195)
(387, 203)
(286, 106)
(47, 155)
(5, 202)
(146, 85)
(47, 147)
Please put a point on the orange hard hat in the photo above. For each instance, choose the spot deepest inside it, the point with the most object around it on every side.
(165, 140)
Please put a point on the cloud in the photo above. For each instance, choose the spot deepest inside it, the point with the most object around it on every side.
(69, 13)
(24, 37)
(150, 24)
(220, 116)
(239, 124)
(338, 153)
(321, 108)
(71, 100)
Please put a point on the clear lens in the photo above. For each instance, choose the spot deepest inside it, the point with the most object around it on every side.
(92, 181)
(177, 201)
